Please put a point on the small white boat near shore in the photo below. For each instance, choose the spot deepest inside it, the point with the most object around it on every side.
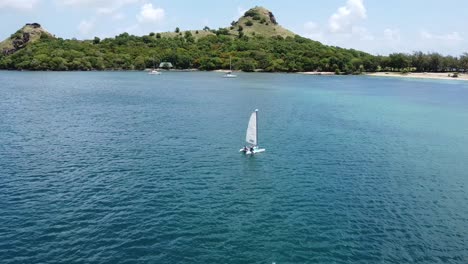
(229, 73)
(154, 72)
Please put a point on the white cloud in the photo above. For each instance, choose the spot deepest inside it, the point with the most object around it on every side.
(346, 28)
(149, 14)
(450, 37)
(105, 10)
(97, 3)
(392, 34)
(18, 4)
(447, 43)
(86, 26)
(102, 7)
(343, 20)
(343, 28)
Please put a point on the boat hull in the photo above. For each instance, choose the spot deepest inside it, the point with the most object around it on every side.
(255, 151)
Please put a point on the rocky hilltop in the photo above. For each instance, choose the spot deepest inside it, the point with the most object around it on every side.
(259, 21)
(27, 34)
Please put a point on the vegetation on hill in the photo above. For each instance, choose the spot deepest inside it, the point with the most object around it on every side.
(127, 52)
(30, 33)
(255, 41)
(258, 21)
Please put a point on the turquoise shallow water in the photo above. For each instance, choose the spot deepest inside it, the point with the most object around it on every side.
(123, 167)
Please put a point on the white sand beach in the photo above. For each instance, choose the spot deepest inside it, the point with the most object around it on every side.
(421, 75)
(317, 73)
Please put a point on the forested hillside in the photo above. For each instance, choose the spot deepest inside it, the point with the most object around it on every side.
(254, 42)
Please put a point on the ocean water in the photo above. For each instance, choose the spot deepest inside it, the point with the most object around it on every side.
(124, 167)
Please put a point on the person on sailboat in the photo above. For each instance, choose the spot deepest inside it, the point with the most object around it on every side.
(245, 149)
(252, 149)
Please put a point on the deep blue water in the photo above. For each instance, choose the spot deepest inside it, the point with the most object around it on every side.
(124, 167)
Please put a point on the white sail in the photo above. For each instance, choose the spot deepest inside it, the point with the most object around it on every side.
(251, 136)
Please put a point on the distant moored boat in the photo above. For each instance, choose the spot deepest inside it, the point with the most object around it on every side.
(229, 73)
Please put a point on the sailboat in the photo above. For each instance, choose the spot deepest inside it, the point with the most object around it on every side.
(154, 71)
(229, 73)
(251, 136)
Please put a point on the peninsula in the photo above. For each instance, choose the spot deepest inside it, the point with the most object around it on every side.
(255, 42)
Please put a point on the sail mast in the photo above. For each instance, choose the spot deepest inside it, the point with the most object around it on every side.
(256, 130)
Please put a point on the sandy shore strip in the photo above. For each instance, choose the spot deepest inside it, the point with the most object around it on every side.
(220, 70)
(421, 75)
(317, 73)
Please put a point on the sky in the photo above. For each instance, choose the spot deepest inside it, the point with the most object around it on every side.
(379, 27)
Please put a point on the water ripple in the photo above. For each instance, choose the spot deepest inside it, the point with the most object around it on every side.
(122, 168)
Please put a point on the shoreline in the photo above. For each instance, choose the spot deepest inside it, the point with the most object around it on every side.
(317, 73)
(411, 75)
(421, 75)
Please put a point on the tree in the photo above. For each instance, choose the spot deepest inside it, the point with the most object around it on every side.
(249, 23)
(247, 65)
(96, 40)
(357, 65)
(418, 61)
(189, 37)
(177, 30)
(251, 13)
(435, 62)
(222, 31)
(463, 62)
(187, 34)
(58, 64)
(449, 63)
(398, 61)
(147, 39)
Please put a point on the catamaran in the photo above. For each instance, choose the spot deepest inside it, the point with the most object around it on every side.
(251, 136)
(229, 73)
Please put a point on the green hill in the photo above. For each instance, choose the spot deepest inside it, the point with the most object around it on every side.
(256, 42)
(257, 21)
(30, 33)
